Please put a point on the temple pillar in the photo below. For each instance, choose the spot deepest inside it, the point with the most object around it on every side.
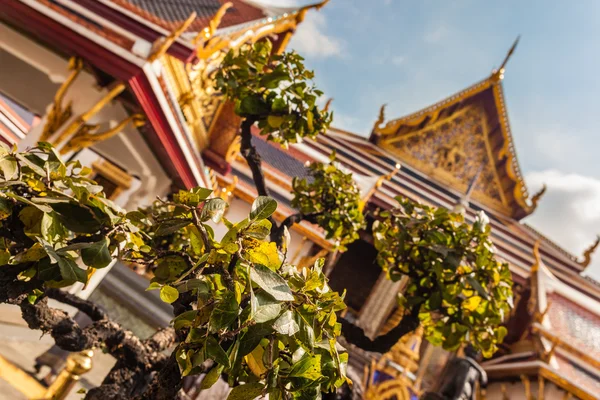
(378, 306)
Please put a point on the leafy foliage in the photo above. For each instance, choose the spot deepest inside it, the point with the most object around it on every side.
(461, 290)
(273, 90)
(333, 199)
(57, 225)
(263, 322)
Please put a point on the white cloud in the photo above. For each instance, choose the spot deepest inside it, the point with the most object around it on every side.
(569, 213)
(437, 34)
(311, 38)
(398, 60)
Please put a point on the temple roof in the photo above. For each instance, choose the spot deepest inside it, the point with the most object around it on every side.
(460, 140)
(169, 14)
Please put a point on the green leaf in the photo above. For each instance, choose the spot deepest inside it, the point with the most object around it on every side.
(259, 229)
(271, 282)
(191, 284)
(193, 197)
(22, 199)
(34, 253)
(224, 313)
(475, 285)
(51, 228)
(253, 105)
(70, 271)
(308, 367)
(153, 286)
(248, 391)
(171, 226)
(169, 294)
(286, 324)
(185, 319)
(212, 377)
(31, 218)
(216, 352)
(4, 256)
(264, 308)
(5, 208)
(213, 209)
(262, 208)
(252, 338)
(97, 255)
(9, 168)
(76, 218)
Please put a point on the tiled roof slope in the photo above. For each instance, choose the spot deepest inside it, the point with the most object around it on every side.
(513, 240)
(169, 14)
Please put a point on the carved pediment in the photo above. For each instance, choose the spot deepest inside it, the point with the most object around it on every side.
(454, 150)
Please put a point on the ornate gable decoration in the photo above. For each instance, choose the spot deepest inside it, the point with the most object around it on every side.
(455, 151)
(463, 138)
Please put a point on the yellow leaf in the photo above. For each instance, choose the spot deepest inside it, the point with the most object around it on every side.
(266, 254)
(36, 185)
(471, 303)
(275, 121)
(255, 361)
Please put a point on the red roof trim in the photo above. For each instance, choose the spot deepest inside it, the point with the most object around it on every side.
(137, 28)
(50, 31)
(149, 102)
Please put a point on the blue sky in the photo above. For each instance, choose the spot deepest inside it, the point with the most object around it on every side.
(410, 54)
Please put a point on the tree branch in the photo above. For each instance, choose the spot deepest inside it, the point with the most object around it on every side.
(381, 344)
(277, 232)
(252, 157)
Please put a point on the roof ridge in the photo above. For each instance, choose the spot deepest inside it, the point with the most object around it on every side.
(551, 242)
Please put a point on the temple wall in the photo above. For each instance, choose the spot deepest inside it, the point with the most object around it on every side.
(32, 75)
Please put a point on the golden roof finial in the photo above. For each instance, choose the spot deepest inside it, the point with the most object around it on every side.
(160, 46)
(213, 24)
(536, 254)
(327, 104)
(498, 74)
(380, 118)
(379, 183)
(302, 12)
(587, 254)
(536, 198)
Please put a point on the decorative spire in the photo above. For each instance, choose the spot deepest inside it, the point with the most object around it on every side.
(533, 305)
(536, 254)
(379, 183)
(536, 198)
(498, 74)
(587, 254)
(380, 118)
(302, 12)
(213, 24)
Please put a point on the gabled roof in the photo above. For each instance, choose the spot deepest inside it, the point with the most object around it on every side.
(169, 14)
(462, 139)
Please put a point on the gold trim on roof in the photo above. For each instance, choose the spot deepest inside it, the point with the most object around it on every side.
(587, 254)
(433, 113)
(451, 148)
(193, 83)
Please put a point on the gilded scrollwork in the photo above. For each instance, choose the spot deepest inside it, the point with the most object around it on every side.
(88, 134)
(454, 150)
(59, 113)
